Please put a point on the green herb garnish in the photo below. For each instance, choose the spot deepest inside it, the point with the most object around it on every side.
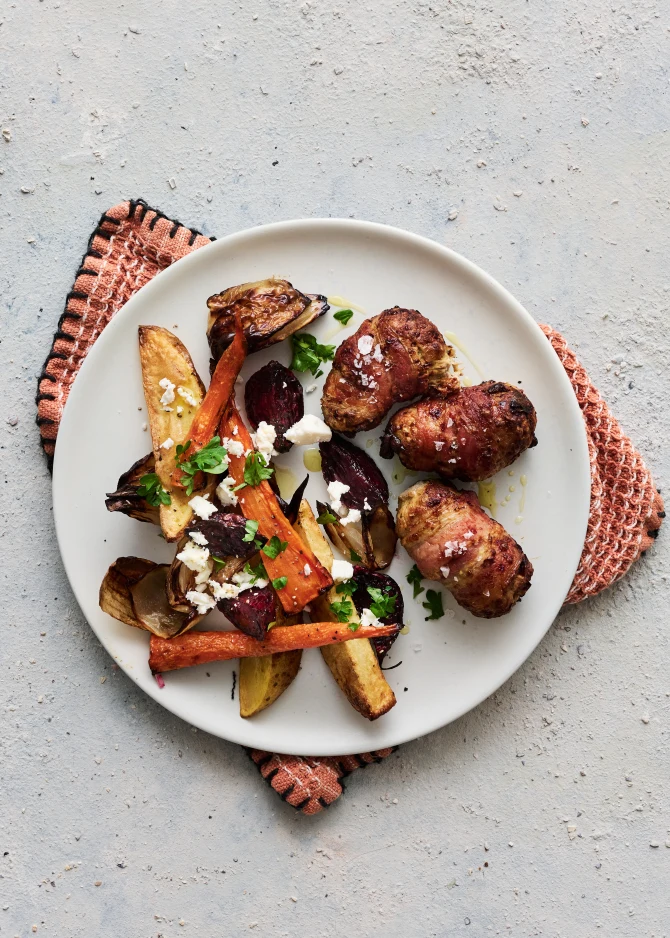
(414, 578)
(280, 582)
(256, 470)
(258, 572)
(354, 626)
(151, 489)
(434, 605)
(212, 458)
(219, 562)
(274, 546)
(308, 354)
(347, 587)
(250, 531)
(326, 517)
(383, 604)
(344, 610)
(353, 556)
(344, 316)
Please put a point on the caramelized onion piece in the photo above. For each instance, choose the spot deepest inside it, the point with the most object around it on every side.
(379, 536)
(345, 462)
(126, 500)
(274, 394)
(292, 508)
(362, 600)
(153, 609)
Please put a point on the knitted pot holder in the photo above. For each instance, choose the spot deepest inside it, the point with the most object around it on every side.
(133, 242)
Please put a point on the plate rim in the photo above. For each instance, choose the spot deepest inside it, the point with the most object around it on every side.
(582, 463)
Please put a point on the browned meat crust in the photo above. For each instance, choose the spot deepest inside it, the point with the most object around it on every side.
(393, 357)
(452, 540)
(469, 435)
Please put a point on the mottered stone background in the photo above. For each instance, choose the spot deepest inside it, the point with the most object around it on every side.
(533, 138)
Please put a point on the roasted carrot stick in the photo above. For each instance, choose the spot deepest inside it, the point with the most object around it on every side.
(219, 392)
(306, 577)
(193, 648)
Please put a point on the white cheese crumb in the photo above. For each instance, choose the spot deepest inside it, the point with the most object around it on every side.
(450, 422)
(246, 580)
(203, 602)
(307, 569)
(309, 429)
(377, 354)
(311, 388)
(335, 492)
(234, 447)
(263, 440)
(194, 557)
(369, 618)
(204, 575)
(351, 517)
(235, 430)
(199, 538)
(366, 505)
(342, 570)
(444, 571)
(365, 344)
(202, 506)
(223, 590)
(438, 445)
(187, 396)
(168, 389)
(224, 492)
(167, 444)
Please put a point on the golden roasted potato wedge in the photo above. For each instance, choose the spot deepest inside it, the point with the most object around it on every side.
(354, 665)
(263, 680)
(134, 591)
(171, 409)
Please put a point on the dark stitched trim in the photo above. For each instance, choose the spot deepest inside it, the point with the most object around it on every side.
(302, 804)
(45, 376)
(653, 533)
(83, 271)
(174, 229)
(92, 252)
(64, 335)
(112, 221)
(661, 514)
(101, 233)
(60, 355)
(289, 791)
(43, 396)
(68, 315)
(268, 778)
(43, 421)
(76, 295)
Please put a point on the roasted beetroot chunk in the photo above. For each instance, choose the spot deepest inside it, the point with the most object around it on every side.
(362, 600)
(341, 460)
(274, 394)
(252, 611)
(225, 535)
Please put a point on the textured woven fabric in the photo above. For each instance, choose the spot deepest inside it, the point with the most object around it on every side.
(132, 243)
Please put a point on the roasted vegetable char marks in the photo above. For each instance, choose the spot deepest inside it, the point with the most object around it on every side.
(452, 540)
(468, 435)
(393, 357)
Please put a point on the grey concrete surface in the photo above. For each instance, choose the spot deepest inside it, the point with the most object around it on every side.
(532, 137)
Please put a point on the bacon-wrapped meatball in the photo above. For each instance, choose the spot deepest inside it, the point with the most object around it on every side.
(452, 540)
(393, 357)
(469, 435)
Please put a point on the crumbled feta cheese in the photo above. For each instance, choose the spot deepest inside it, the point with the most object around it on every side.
(202, 506)
(438, 445)
(444, 571)
(203, 602)
(352, 516)
(377, 354)
(341, 570)
(307, 569)
(246, 580)
(263, 440)
(234, 447)
(199, 538)
(450, 422)
(310, 389)
(180, 409)
(166, 444)
(366, 505)
(235, 430)
(335, 492)
(186, 395)
(194, 557)
(310, 429)
(168, 389)
(365, 344)
(223, 590)
(224, 492)
(204, 575)
(369, 618)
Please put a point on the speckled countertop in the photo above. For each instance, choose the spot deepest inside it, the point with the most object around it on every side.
(533, 138)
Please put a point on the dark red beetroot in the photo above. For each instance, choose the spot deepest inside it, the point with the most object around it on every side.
(252, 611)
(225, 535)
(362, 600)
(274, 394)
(341, 460)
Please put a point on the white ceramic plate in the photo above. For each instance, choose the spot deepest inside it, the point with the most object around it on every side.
(447, 667)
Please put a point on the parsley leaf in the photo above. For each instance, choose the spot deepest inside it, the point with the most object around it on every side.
(151, 489)
(250, 530)
(327, 517)
(344, 610)
(434, 605)
(348, 587)
(308, 354)
(382, 604)
(354, 626)
(280, 582)
(274, 546)
(258, 572)
(256, 470)
(414, 578)
(219, 562)
(354, 557)
(344, 316)
(212, 458)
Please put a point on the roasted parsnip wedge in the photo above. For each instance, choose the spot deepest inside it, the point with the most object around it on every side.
(354, 665)
(171, 407)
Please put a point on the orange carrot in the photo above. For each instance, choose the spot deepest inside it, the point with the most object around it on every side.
(219, 392)
(191, 648)
(306, 577)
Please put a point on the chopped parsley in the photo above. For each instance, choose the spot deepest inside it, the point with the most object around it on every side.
(219, 562)
(326, 517)
(348, 587)
(274, 546)
(354, 557)
(383, 604)
(434, 605)
(308, 354)
(150, 488)
(414, 579)
(250, 531)
(354, 626)
(280, 582)
(212, 458)
(344, 611)
(258, 572)
(344, 316)
(256, 470)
